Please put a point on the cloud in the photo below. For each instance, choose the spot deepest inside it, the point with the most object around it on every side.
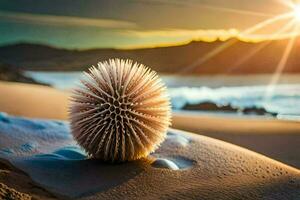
(203, 5)
(57, 20)
(210, 35)
(199, 34)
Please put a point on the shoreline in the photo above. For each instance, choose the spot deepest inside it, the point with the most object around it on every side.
(191, 80)
(259, 134)
(213, 109)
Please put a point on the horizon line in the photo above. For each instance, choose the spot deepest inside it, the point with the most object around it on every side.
(160, 45)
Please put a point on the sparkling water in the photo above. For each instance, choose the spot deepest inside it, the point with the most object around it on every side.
(238, 91)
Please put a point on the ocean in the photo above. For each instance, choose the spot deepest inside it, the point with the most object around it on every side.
(238, 91)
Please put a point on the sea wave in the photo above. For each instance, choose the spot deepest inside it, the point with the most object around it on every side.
(282, 99)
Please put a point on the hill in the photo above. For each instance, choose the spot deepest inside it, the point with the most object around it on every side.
(234, 57)
(13, 74)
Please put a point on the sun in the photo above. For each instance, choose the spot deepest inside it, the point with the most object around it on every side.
(297, 12)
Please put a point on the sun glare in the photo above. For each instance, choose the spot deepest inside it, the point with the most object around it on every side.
(297, 12)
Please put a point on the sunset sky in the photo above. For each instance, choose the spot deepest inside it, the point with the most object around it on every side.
(138, 23)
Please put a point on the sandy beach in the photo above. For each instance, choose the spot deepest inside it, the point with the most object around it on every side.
(260, 135)
(150, 100)
(257, 134)
(186, 166)
(33, 101)
(30, 164)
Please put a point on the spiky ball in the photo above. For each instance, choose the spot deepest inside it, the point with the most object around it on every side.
(120, 111)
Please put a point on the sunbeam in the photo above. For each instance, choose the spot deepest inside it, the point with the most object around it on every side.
(229, 43)
(287, 3)
(242, 12)
(222, 9)
(297, 12)
(281, 65)
(208, 56)
(261, 46)
(265, 23)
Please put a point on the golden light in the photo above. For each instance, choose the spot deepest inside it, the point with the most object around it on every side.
(297, 12)
(293, 22)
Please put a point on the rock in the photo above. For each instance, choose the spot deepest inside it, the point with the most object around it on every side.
(210, 106)
(213, 107)
(257, 111)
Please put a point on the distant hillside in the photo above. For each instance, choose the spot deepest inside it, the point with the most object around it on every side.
(11, 73)
(186, 59)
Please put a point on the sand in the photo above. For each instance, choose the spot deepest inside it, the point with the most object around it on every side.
(15, 184)
(43, 160)
(33, 101)
(9, 193)
(186, 166)
(277, 139)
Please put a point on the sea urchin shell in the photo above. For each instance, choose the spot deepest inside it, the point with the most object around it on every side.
(120, 112)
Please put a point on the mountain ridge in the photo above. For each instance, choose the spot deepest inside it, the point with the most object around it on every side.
(233, 57)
